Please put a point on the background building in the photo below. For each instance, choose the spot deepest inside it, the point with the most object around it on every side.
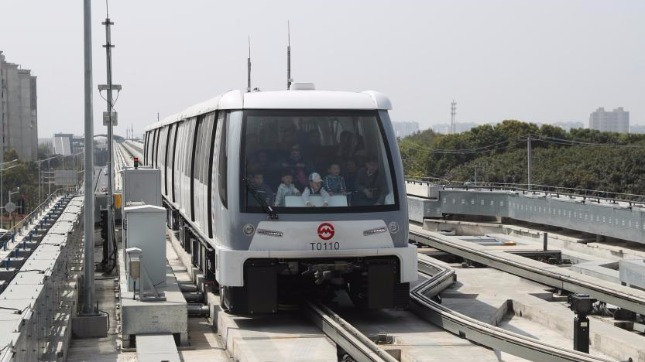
(63, 144)
(403, 129)
(614, 121)
(459, 127)
(18, 111)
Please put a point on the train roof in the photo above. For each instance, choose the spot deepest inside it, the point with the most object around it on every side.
(286, 99)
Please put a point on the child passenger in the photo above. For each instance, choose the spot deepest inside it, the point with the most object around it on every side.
(334, 182)
(286, 188)
(315, 188)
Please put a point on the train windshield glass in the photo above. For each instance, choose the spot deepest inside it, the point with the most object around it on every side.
(320, 161)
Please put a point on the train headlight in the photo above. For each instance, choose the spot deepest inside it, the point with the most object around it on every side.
(273, 233)
(394, 227)
(248, 229)
(378, 230)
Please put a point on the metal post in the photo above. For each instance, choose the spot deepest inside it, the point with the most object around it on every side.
(476, 168)
(528, 151)
(40, 185)
(88, 213)
(545, 241)
(2, 170)
(581, 305)
(49, 180)
(581, 333)
(110, 197)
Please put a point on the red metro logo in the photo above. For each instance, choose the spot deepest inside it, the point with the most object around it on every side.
(326, 231)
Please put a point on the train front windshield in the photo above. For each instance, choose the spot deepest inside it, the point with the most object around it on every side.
(316, 161)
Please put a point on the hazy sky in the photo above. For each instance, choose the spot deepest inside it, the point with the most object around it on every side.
(539, 61)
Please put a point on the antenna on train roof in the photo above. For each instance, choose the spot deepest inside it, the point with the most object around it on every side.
(289, 80)
(248, 63)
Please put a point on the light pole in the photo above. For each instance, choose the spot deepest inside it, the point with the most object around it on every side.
(2, 169)
(40, 178)
(109, 120)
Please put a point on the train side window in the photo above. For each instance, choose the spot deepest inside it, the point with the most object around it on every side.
(198, 153)
(145, 148)
(153, 152)
(207, 148)
(174, 157)
(156, 156)
(163, 149)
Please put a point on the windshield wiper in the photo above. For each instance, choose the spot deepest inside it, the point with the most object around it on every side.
(261, 200)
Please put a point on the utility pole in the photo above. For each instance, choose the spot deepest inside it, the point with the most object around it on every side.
(88, 212)
(528, 157)
(110, 120)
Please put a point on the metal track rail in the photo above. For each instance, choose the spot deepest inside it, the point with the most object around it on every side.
(344, 335)
(618, 295)
(132, 149)
(474, 330)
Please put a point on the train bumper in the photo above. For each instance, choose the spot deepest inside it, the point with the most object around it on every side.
(230, 263)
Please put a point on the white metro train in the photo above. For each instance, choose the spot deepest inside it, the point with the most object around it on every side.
(282, 193)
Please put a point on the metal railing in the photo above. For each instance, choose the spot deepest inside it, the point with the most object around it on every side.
(592, 195)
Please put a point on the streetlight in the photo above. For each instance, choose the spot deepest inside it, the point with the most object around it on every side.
(40, 177)
(2, 169)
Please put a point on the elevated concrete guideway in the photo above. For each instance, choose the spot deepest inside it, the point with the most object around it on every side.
(611, 218)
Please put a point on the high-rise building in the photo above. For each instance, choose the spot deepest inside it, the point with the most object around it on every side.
(18, 111)
(614, 121)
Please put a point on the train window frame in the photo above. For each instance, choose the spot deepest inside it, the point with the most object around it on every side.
(174, 156)
(166, 161)
(222, 168)
(384, 154)
(209, 177)
(154, 147)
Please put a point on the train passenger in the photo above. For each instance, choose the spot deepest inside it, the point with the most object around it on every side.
(286, 188)
(350, 145)
(370, 185)
(262, 163)
(259, 190)
(314, 151)
(315, 188)
(349, 173)
(345, 145)
(298, 165)
(334, 182)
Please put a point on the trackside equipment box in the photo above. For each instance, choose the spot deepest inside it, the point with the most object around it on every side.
(145, 228)
(142, 185)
